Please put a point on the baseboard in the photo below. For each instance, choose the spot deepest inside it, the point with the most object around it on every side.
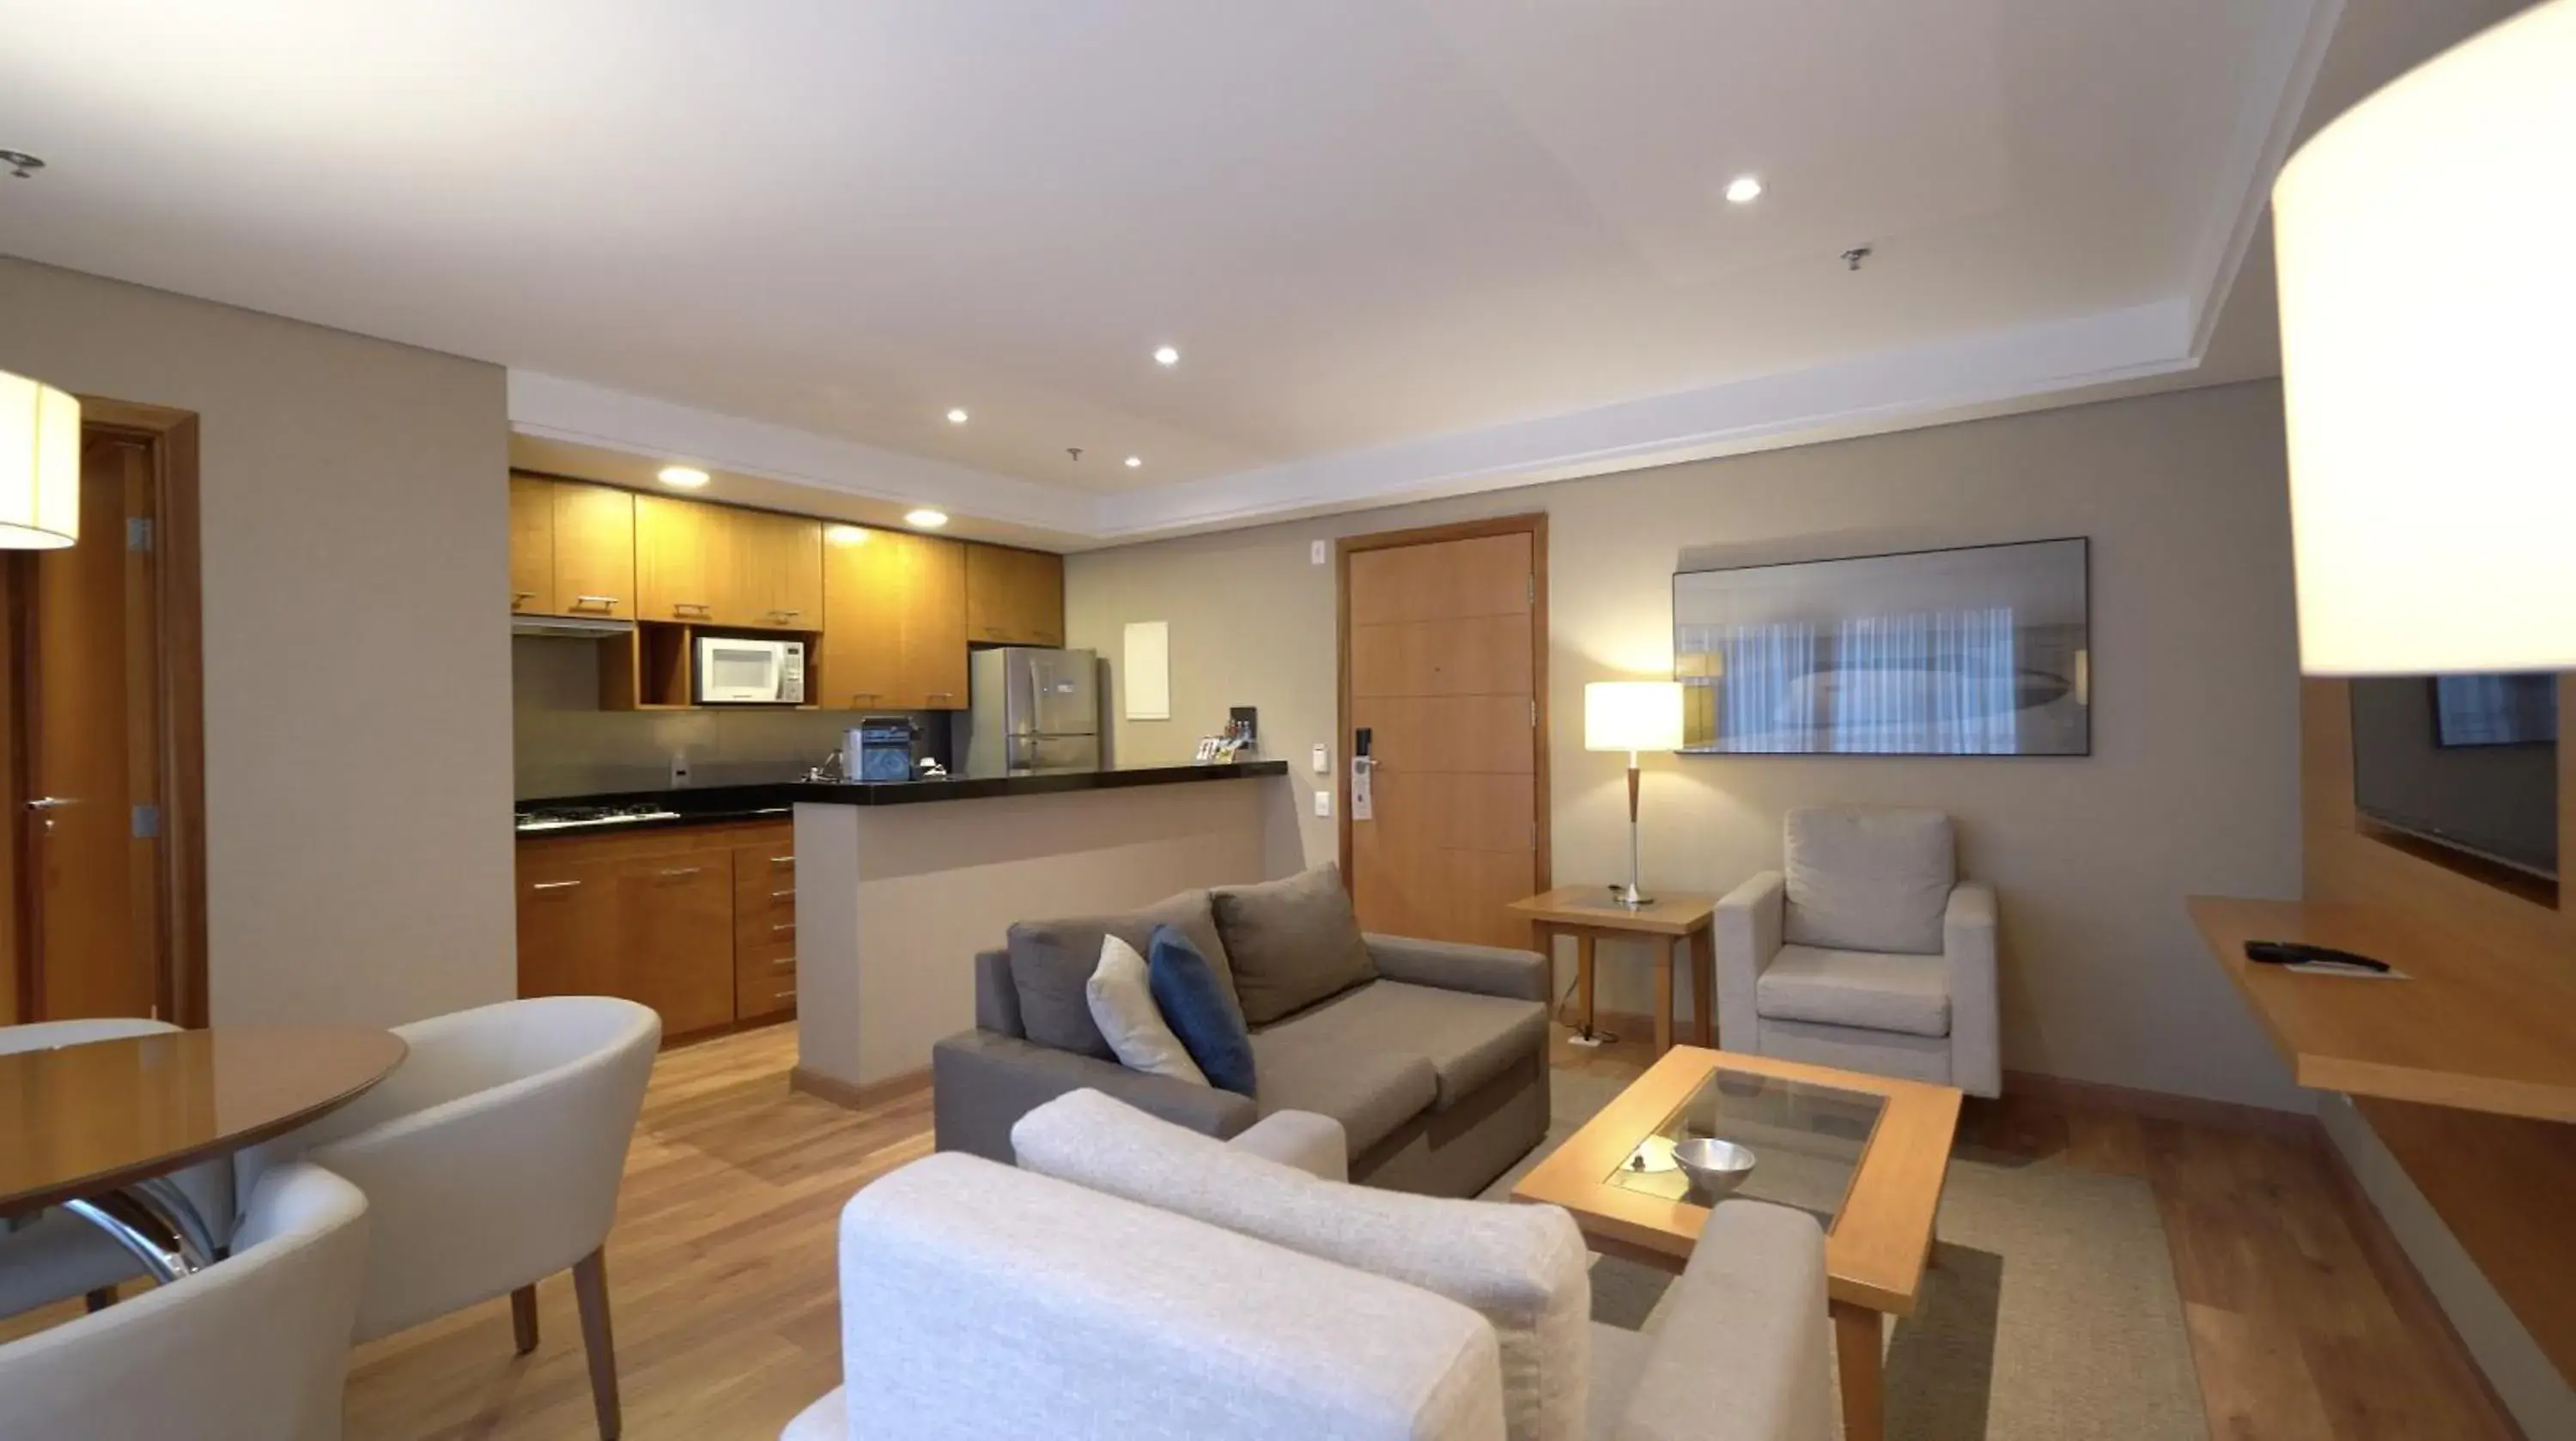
(858, 1098)
(2165, 1106)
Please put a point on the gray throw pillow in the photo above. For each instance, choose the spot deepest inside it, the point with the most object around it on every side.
(1052, 961)
(1291, 943)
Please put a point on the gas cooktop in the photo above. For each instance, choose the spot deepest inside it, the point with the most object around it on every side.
(556, 818)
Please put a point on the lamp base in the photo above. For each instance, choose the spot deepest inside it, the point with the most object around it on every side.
(1628, 897)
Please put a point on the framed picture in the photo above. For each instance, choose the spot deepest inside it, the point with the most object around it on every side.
(1972, 651)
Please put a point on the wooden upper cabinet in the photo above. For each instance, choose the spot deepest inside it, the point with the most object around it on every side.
(532, 545)
(777, 572)
(684, 561)
(594, 534)
(894, 622)
(934, 622)
(1014, 597)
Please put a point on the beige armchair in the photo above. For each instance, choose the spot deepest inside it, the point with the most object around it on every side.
(1865, 953)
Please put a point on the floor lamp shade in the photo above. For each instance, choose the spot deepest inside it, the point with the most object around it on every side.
(1632, 715)
(39, 465)
(2428, 320)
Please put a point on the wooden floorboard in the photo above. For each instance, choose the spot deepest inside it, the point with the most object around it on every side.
(722, 1271)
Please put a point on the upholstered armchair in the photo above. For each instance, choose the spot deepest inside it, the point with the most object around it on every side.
(1866, 952)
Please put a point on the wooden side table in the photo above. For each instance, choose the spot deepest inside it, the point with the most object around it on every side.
(1589, 915)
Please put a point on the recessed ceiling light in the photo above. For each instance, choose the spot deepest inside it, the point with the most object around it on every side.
(1134, 461)
(845, 535)
(926, 518)
(957, 417)
(1166, 355)
(1744, 189)
(686, 477)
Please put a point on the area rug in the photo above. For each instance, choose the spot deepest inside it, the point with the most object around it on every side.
(2049, 1314)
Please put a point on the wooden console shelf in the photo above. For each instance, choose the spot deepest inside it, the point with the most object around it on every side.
(2475, 1028)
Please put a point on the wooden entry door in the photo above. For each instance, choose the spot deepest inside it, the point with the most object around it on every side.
(1444, 668)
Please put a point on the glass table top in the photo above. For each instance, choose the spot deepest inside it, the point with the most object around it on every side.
(1807, 1141)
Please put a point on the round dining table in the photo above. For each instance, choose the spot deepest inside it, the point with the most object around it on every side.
(97, 1128)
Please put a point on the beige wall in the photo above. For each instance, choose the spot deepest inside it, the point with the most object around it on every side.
(357, 672)
(2192, 786)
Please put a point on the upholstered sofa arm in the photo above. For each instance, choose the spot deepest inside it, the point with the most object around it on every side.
(1316, 1145)
(1968, 946)
(1744, 1336)
(981, 1084)
(1748, 936)
(1457, 966)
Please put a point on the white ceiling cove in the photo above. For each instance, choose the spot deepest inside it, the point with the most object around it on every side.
(1404, 246)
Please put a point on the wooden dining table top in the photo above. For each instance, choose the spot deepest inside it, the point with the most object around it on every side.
(79, 1120)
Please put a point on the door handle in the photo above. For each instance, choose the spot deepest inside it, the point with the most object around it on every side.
(52, 803)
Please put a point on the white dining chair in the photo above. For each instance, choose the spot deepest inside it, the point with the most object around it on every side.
(253, 1348)
(58, 1255)
(491, 1159)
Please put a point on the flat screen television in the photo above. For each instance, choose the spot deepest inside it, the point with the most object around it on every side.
(2469, 762)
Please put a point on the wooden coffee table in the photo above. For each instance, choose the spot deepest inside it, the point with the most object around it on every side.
(1866, 1154)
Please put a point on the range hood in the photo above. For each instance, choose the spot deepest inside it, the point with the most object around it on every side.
(569, 627)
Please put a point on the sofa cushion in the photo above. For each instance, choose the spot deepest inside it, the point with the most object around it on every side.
(1122, 1005)
(1052, 962)
(1868, 990)
(1523, 1268)
(1468, 1039)
(1192, 1001)
(1370, 1092)
(1868, 880)
(1291, 943)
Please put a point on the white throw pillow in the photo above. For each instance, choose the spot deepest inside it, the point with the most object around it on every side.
(1523, 1268)
(1122, 1006)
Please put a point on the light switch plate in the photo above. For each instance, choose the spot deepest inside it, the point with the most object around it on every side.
(1323, 761)
(1324, 803)
(1319, 552)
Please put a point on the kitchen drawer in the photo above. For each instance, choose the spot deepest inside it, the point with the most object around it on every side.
(764, 980)
(764, 875)
(753, 929)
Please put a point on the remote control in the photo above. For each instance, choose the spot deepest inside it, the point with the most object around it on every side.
(2300, 953)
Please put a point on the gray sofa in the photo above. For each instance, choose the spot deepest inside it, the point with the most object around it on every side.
(1436, 1067)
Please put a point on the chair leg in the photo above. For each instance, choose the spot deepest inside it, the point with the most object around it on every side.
(100, 1299)
(590, 1287)
(523, 1318)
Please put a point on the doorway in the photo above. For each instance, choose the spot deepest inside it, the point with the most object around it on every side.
(104, 740)
(1444, 691)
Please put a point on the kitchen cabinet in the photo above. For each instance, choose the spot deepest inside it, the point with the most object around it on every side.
(684, 558)
(594, 537)
(572, 548)
(697, 922)
(894, 622)
(532, 545)
(1014, 597)
(777, 572)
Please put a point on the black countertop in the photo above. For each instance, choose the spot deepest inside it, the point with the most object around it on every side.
(716, 805)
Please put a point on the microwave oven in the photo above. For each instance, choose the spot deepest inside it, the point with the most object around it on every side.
(735, 670)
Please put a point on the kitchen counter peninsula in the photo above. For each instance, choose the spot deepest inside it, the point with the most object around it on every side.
(898, 885)
(723, 804)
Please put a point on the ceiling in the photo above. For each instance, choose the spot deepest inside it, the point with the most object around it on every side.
(1404, 246)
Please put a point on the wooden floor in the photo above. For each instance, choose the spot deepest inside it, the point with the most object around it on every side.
(2304, 1322)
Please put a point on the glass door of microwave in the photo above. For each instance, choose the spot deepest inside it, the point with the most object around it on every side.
(738, 672)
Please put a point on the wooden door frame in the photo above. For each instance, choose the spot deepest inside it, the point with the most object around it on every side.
(1531, 523)
(178, 597)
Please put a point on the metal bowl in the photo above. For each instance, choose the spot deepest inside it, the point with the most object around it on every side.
(1715, 1167)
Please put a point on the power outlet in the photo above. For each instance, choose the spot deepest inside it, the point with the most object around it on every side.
(1324, 804)
(679, 770)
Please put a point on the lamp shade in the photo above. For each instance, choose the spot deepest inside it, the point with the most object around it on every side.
(1632, 715)
(39, 465)
(2428, 317)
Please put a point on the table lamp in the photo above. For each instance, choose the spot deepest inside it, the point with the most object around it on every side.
(1632, 716)
(39, 465)
(2426, 312)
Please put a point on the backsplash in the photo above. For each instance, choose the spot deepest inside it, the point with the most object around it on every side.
(565, 745)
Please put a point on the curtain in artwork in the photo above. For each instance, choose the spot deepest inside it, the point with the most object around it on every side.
(1767, 688)
(1940, 682)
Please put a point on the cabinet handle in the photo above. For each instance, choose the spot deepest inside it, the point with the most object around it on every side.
(517, 596)
(782, 925)
(783, 861)
(783, 961)
(780, 895)
(785, 614)
(678, 872)
(554, 885)
(604, 602)
(941, 694)
(701, 607)
(786, 995)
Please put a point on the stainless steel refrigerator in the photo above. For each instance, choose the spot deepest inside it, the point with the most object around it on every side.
(1032, 709)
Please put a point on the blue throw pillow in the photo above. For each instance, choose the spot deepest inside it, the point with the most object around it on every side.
(1193, 1004)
